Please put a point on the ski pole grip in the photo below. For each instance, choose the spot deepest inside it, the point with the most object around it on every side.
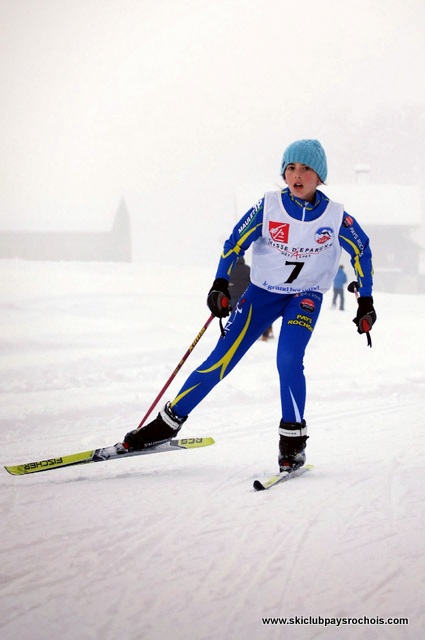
(353, 286)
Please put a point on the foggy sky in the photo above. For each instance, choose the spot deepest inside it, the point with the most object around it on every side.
(174, 103)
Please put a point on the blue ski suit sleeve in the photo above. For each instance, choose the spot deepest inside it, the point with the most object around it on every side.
(355, 241)
(246, 231)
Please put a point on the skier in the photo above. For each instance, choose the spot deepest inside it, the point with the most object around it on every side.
(296, 236)
(339, 281)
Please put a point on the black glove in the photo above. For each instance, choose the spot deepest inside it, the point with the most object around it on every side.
(218, 299)
(366, 315)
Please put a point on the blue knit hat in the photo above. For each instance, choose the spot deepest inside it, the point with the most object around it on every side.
(309, 152)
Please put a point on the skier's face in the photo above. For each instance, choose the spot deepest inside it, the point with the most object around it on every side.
(302, 181)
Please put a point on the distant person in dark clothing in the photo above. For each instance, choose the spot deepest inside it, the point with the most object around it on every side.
(239, 280)
(339, 281)
(268, 334)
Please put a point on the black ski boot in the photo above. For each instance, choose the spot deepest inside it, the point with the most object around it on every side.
(165, 426)
(292, 443)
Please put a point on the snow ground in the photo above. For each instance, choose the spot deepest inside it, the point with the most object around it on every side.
(179, 545)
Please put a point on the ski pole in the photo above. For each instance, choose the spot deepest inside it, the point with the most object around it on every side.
(177, 369)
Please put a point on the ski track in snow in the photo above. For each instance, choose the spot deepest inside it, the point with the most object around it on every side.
(179, 545)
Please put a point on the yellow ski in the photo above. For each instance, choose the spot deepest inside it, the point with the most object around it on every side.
(283, 476)
(114, 452)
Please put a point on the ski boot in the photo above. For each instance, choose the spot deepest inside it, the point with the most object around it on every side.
(292, 443)
(165, 426)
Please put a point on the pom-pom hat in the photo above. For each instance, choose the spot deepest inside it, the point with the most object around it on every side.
(309, 152)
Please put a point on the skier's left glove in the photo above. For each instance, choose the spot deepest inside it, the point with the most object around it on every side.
(366, 316)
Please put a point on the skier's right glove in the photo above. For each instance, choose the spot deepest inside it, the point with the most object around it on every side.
(218, 299)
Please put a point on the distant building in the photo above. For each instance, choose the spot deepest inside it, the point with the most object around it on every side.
(392, 217)
(80, 246)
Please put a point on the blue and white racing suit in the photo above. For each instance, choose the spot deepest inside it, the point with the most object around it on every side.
(296, 248)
